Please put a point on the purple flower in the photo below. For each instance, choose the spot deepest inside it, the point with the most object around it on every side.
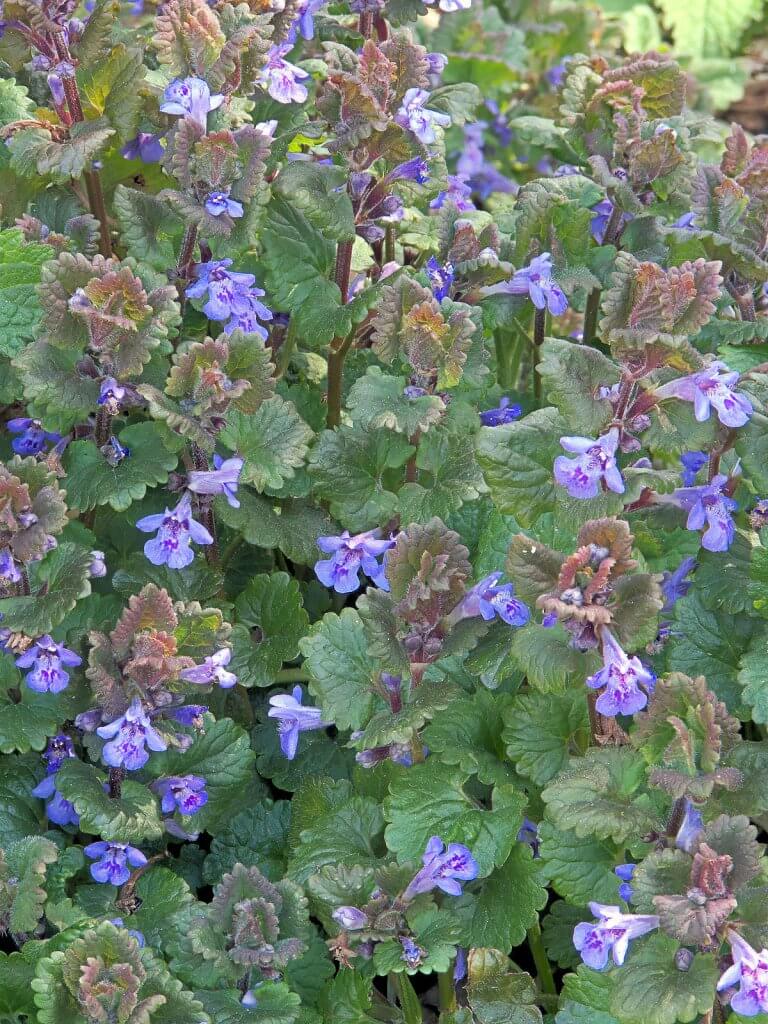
(46, 658)
(503, 413)
(112, 860)
(449, 6)
(556, 75)
(418, 118)
(145, 147)
(415, 169)
(9, 573)
(602, 214)
(349, 556)
(536, 282)
(60, 811)
(458, 192)
(436, 63)
(189, 714)
(710, 387)
(687, 222)
(111, 394)
(281, 79)
(622, 678)
(750, 972)
(98, 566)
(175, 532)
(114, 452)
(217, 203)
(489, 600)
(460, 967)
(687, 837)
(183, 793)
(127, 737)
(222, 479)
(293, 718)
(138, 936)
(444, 868)
(190, 98)
(708, 505)
(692, 463)
(529, 834)
(232, 296)
(304, 23)
(596, 463)
(626, 873)
(412, 954)
(610, 934)
(674, 585)
(212, 671)
(350, 918)
(33, 437)
(440, 277)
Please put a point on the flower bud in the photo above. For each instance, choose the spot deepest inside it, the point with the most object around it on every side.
(350, 918)
(683, 959)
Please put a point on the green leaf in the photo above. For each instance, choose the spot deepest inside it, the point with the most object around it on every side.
(163, 894)
(273, 441)
(20, 264)
(223, 756)
(557, 932)
(547, 658)
(468, 734)
(429, 800)
(448, 476)
(376, 401)
(459, 101)
(66, 572)
(270, 622)
(16, 998)
(350, 469)
(517, 460)
(27, 725)
(131, 818)
(91, 481)
(255, 837)
(346, 833)
(542, 730)
(651, 990)
(716, 32)
(579, 869)
(498, 992)
(506, 906)
(337, 658)
(148, 226)
(33, 151)
(571, 377)
(291, 525)
(319, 192)
(21, 814)
(25, 865)
(275, 1004)
(597, 795)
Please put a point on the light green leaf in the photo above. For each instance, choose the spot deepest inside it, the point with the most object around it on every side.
(571, 376)
(131, 818)
(270, 622)
(65, 571)
(542, 730)
(579, 869)
(273, 441)
(256, 836)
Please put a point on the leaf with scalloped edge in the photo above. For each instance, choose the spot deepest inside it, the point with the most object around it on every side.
(273, 441)
(376, 401)
(270, 622)
(319, 192)
(35, 152)
(65, 572)
(580, 870)
(571, 377)
(541, 729)
(22, 876)
(20, 264)
(131, 818)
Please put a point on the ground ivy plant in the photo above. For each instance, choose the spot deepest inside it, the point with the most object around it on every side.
(383, 516)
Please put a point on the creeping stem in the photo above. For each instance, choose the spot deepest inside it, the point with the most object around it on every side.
(339, 346)
(543, 967)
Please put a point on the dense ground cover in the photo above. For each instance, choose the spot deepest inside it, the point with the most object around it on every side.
(383, 514)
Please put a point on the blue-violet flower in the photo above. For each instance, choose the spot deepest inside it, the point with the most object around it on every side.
(610, 935)
(222, 479)
(444, 868)
(418, 118)
(349, 556)
(708, 388)
(293, 718)
(46, 659)
(213, 670)
(503, 413)
(626, 680)
(190, 98)
(112, 860)
(128, 735)
(175, 532)
(183, 793)
(596, 463)
(33, 437)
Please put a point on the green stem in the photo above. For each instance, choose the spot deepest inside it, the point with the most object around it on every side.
(389, 243)
(339, 346)
(509, 352)
(539, 330)
(292, 675)
(446, 991)
(186, 255)
(591, 312)
(543, 967)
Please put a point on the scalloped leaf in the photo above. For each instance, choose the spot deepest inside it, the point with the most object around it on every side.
(270, 622)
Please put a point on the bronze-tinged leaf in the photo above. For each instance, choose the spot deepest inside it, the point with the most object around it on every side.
(151, 609)
(188, 37)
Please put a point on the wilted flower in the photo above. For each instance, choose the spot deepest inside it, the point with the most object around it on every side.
(190, 98)
(349, 556)
(128, 735)
(217, 203)
(189, 714)
(212, 670)
(46, 659)
(750, 972)
(112, 860)
(98, 566)
(412, 954)
(444, 868)
(708, 388)
(183, 793)
(692, 463)
(708, 505)
(503, 413)
(281, 79)
(145, 147)
(596, 463)
(489, 600)
(610, 935)
(675, 585)
(687, 222)
(114, 452)
(537, 283)
(9, 571)
(232, 296)
(222, 479)
(418, 118)
(440, 277)
(626, 680)
(691, 828)
(350, 918)
(293, 718)
(626, 873)
(111, 394)
(175, 532)
(758, 516)
(33, 437)
(529, 834)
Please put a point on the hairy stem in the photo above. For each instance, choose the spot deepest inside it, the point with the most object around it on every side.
(205, 508)
(103, 426)
(676, 816)
(543, 967)
(594, 720)
(446, 991)
(591, 312)
(539, 328)
(339, 346)
(411, 471)
(186, 254)
(116, 776)
(390, 235)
